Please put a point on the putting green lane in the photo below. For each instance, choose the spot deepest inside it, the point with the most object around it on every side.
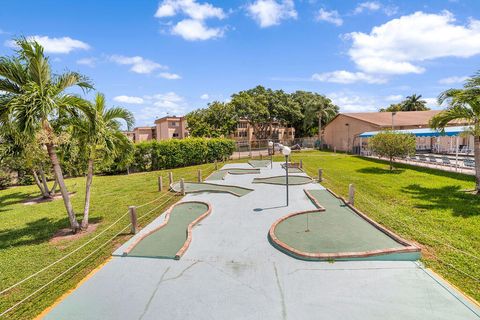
(193, 187)
(292, 180)
(166, 241)
(259, 163)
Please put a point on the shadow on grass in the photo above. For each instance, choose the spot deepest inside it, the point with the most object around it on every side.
(34, 232)
(13, 198)
(461, 202)
(377, 170)
(437, 172)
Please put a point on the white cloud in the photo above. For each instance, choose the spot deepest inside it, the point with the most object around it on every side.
(368, 5)
(137, 63)
(268, 13)
(398, 46)
(190, 8)
(342, 76)
(169, 76)
(205, 96)
(330, 16)
(453, 80)
(193, 27)
(394, 97)
(352, 102)
(55, 45)
(128, 99)
(431, 102)
(90, 62)
(193, 30)
(160, 105)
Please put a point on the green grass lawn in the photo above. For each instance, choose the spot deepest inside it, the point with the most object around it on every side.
(26, 230)
(431, 207)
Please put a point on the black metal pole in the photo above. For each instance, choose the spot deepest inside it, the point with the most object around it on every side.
(286, 175)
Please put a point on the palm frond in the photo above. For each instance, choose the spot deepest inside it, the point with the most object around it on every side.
(71, 79)
(119, 113)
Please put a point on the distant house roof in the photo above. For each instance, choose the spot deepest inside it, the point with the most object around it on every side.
(401, 118)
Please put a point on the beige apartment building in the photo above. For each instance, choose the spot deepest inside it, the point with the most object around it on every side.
(176, 128)
(342, 133)
(165, 128)
(276, 132)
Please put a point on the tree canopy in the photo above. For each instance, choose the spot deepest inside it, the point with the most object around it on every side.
(263, 108)
(411, 103)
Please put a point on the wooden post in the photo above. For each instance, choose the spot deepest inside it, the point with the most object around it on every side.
(199, 175)
(351, 194)
(182, 186)
(261, 156)
(170, 177)
(335, 149)
(301, 164)
(250, 149)
(320, 175)
(133, 219)
(216, 165)
(160, 183)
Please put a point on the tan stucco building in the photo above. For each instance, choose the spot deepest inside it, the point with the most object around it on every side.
(342, 132)
(277, 132)
(164, 128)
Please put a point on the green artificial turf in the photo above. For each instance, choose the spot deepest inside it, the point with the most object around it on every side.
(259, 163)
(194, 187)
(26, 231)
(166, 241)
(434, 208)
(282, 180)
(220, 174)
(336, 230)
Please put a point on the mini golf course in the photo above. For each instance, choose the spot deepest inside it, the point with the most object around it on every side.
(172, 238)
(337, 232)
(292, 180)
(221, 174)
(195, 187)
(259, 163)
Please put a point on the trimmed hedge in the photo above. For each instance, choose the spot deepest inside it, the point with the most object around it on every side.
(173, 153)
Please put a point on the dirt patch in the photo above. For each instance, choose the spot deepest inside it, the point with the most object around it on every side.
(67, 234)
(37, 200)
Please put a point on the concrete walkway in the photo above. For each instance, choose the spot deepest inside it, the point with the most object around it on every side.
(231, 271)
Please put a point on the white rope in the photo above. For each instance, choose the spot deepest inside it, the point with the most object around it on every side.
(72, 252)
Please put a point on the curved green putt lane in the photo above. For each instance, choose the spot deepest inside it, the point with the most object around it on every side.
(193, 187)
(259, 163)
(169, 239)
(292, 180)
(220, 174)
(338, 229)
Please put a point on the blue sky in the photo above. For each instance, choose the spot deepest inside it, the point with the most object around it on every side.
(172, 56)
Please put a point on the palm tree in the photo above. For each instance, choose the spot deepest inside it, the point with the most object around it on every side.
(464, 105)
(34, 96)
(98, 132)
(414, 103)
(320, 108)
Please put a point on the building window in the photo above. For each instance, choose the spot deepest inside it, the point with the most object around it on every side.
(175, 135)
(174, 123)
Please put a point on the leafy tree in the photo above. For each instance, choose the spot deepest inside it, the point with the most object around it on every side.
(391, 144)
(317, 111)
(217, 120)
(34, 96)
(463, 105)
(411, 103)
(100, 137)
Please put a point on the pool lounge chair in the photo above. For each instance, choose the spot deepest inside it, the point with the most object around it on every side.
(469, 163)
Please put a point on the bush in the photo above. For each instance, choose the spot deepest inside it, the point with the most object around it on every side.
(173, 153)
(5, 180)
(392, 144)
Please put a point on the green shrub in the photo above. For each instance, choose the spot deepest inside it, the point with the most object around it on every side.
(173, 153)
(5, 180)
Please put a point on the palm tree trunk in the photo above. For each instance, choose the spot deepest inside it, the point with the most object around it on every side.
(320, 129)
(39, 184)
(52, 191)
(46, 193)
(86, 209)
(476, 152)
(63, 188)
